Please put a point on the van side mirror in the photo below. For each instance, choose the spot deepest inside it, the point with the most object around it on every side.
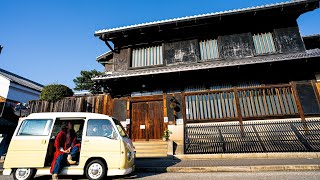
(113, 135)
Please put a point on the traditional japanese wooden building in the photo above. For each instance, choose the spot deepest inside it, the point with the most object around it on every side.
(202, 71)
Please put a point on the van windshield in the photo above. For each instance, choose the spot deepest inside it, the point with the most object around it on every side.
(120, 128)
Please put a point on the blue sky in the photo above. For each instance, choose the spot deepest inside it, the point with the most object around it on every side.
(51, 41)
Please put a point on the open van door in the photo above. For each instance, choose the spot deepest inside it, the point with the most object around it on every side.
(28, 147)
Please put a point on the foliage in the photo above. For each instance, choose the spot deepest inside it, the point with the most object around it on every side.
(84, 82)
(166, 134)
(55, 92)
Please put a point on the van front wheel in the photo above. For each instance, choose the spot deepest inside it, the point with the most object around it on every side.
(23, 173)
(96, 170)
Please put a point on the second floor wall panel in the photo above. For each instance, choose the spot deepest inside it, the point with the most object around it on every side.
(120, 60)
(233, 46)
(236, 46)
(181, 52)
(289, 40)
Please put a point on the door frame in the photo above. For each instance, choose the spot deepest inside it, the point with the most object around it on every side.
(145, 99)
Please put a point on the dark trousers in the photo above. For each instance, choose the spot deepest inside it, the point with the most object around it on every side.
(61, 161)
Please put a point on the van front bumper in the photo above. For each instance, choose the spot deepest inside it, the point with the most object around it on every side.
(7, 172)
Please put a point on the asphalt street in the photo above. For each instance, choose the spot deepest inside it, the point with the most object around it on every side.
(304, 175)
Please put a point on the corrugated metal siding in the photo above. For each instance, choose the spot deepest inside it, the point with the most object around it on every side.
(210, 106)
(149, 56)
(209, 49)
(222, 86)
(267, 102)
(264, 43)
(253, 103)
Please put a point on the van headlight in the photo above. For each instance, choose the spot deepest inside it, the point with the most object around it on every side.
(129, 155)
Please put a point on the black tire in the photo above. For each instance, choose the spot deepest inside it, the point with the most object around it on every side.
(96, 170)
(23, 173)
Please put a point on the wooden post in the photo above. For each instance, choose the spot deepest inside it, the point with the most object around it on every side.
(316, 87)
(165, 110)
(299, 106)
(105, 105)
(238, 108)
(128, 117)
(298, 103)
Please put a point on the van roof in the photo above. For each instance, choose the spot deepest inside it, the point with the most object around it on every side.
(67, 115)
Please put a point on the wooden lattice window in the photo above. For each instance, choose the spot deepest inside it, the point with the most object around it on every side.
(264, 43)
(209, 49)
(150, 56)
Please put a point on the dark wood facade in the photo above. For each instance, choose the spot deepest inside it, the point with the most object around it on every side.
(244, 65)
(241, 65)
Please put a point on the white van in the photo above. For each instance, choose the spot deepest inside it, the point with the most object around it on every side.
(31, 149)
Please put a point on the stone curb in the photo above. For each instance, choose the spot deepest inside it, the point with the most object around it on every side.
(249, 156)
(230, 169)
(311, 167)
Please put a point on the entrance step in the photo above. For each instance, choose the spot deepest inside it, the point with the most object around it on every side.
(151, 149)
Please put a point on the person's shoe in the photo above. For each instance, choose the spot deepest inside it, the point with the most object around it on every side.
(70, 161)
(54, 176)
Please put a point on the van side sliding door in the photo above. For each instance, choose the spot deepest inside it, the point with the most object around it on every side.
(28, 147)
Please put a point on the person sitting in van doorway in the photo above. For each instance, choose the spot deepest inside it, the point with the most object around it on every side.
(65, 144)
(71, 142)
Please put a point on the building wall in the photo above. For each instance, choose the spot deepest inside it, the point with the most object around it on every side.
(4, 84)
(229, 46)
(22, 94)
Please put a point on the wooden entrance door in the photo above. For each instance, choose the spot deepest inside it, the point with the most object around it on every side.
(147, 120)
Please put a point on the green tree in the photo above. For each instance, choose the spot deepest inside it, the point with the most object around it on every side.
(84, 82)
(55, 92)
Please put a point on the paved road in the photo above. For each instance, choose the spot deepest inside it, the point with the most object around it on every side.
(305, 175)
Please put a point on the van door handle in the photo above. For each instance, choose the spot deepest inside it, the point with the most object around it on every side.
(86, 140)
(44, 141)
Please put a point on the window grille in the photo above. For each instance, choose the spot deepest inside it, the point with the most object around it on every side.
(149, 56)
(263, 43)
(209, 49)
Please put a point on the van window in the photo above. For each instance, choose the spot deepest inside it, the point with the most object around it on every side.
(35, 127)
(100, 127)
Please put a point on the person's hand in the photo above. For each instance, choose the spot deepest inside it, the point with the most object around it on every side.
(67, 150)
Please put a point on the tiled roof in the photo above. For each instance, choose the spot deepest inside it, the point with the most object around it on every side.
(102, 56)
(312, 35)
(210, 65)
(21, 80)
(221, 13)
(4, 122)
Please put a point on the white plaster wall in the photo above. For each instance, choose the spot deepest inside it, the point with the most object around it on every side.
(22, 94)
(4, 86)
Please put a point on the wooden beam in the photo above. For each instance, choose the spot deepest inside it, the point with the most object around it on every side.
(146, 98)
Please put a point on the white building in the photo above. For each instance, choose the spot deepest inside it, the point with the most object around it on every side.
(13, 89)
(17, 88)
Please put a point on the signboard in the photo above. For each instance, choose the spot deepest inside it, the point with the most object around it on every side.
(165, 119)
(142, 126)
